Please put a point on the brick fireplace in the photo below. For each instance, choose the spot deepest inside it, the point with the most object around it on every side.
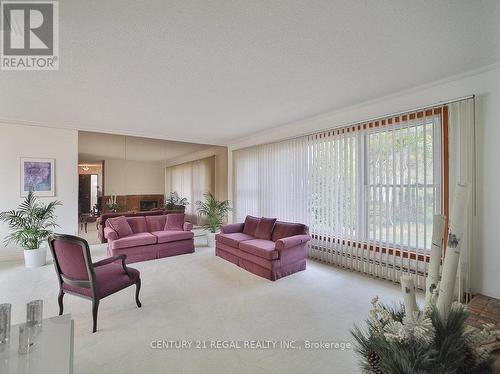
(129, 203)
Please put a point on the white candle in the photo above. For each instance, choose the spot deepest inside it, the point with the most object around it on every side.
(435, 260)
(409, 298)
(452, 257)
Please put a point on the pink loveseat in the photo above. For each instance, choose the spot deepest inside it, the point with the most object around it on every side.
(264, 246)
(149, 237)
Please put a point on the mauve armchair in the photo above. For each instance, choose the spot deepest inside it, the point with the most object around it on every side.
(94, 281)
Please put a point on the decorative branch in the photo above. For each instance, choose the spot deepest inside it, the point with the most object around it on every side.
(410, 300)
(432, 280)
(456, 230)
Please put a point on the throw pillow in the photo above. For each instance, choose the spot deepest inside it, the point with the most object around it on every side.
(175, 222)
(265, 228)
(120, 225)
(250, 225)
(286, 229)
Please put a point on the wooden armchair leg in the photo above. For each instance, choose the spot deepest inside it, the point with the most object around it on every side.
(60, 301)
(137, 289)
(95, 307)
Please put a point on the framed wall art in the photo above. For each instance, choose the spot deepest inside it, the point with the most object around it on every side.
(38, 174)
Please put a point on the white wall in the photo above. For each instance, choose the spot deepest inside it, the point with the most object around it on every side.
(34, 141)
(485, 84)
(127, 177)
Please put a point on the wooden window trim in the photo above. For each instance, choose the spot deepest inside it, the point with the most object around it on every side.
(446, 172)
(404, 253)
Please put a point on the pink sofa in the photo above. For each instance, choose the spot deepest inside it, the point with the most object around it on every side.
(264, 246)
(149, 237)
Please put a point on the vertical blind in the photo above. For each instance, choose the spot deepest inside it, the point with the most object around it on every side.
(368, 192)
(191, 180)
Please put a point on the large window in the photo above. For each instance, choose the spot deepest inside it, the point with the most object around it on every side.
(403, 182)
(376, 184)
(368, 191)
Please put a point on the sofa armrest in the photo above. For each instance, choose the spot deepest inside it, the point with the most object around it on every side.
(292, 241)
(188, 226)
(231, 228)
(110, 234)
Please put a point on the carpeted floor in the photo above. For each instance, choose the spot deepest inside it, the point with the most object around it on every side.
(202, 297)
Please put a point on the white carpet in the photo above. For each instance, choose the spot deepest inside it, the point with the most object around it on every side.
(202, 297)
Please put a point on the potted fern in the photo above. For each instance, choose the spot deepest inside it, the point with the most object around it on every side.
(216, 212)
(30, 225)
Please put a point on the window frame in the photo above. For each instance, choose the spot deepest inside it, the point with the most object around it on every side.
(408, 253)
(437, 186)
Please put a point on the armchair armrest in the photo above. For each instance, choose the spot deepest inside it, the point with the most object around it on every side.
(109, 233)
(112, 259)
(231, 228)
(188, 226)
(292, 241)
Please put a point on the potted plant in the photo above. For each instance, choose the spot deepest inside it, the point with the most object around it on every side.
(216, 212)
(112, 204)
(30, 225)
(175, 203)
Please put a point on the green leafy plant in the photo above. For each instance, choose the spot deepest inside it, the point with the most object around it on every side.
(31, 223)
(112, 204)
(216, 211)
(394, 343)
(175, 202)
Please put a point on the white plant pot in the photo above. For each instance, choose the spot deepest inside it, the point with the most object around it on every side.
(211, 239)
(34, 258)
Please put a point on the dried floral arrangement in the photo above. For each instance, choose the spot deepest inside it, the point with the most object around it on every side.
(423, 342)
(405, 339)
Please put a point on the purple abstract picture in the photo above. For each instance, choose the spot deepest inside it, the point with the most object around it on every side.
(37, 174)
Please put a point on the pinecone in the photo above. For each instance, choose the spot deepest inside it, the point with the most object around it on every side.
(470, 357)
(373, 360)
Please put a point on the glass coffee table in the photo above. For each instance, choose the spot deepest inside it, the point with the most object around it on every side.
(52, 353)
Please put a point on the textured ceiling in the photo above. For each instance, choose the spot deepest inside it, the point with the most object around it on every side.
(211, 71)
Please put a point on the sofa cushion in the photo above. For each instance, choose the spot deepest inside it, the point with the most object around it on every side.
(120, 225)
(237, 254)
(134, 240)
(172, 236)
(260, 247)
(265, 228)
(175, 221)
(138, 224)
(156, 223)
(233, 239)
(250, 225)
(285, 229)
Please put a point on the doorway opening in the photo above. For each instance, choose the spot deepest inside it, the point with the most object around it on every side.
(90, 195)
